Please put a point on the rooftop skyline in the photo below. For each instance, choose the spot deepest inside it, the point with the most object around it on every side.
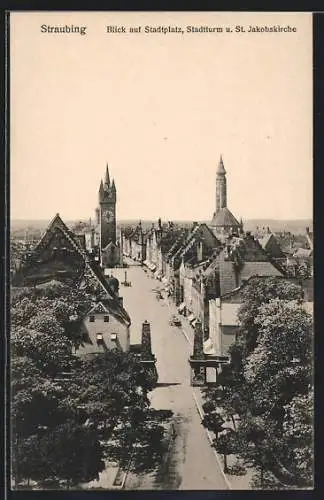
(160, 110)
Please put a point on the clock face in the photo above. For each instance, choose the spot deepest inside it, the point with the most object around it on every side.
(108, 214)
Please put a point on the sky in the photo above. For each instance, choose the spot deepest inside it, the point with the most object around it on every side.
(160, 109)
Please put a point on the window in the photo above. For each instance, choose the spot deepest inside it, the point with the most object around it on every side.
(99, 337)
(91, 319)
(113, 336)
(106, 319)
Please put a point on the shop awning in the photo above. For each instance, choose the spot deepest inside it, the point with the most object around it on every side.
(182, 307)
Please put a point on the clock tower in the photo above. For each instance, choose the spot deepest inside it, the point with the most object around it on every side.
(107, 212)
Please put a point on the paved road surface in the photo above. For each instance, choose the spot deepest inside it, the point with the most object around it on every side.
(191, 463)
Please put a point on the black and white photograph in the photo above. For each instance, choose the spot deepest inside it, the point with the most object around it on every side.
(161, 251)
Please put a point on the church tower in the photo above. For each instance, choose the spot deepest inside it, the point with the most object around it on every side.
(223, 222)
(107, 211)
(221, 193)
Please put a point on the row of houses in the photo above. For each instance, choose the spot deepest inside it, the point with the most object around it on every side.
(204, 274)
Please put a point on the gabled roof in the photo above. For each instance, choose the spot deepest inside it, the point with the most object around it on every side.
(177, 244)
(224, 218)
(270, 244)
(109, 245)
(187, 243)
(98, 308)
(89, 264)
(113, 307)
(111, 301)
(199, 234)
(265, 239)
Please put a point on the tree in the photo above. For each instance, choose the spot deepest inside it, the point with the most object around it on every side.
(226, 444)
(62, 406)
(278, 370)
(70, 453)
(50, 353)
(256, 293)
(299, 434)
(271, 365)
(115, 389)
(22, 311)
(280, 366)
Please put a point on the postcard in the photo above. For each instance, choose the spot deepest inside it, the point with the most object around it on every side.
(161, 250)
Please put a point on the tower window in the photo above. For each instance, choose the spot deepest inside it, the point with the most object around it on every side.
(91, 319)
(106, 319)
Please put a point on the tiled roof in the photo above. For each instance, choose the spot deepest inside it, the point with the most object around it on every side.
(224, 218)
(303, 253)
(259, 269)
(177, 244)
(265, 239)
(90, 266)
(114, 308)
(270, 244)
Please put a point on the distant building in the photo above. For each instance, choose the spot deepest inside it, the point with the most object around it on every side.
(310, 237)
(102, 240)
(134, 242)
(270, 244)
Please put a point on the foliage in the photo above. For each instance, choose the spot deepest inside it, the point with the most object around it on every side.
(226, 444)
(299, 433)
(63, 406)
(254, 294)
(148, 445)
(70, 452)
(50, 352)
(237, 469)
(268, 384)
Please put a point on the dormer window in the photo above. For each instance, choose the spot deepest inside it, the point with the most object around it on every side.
(113, 336)
(106, 318)
(91, 318)
(99, 337)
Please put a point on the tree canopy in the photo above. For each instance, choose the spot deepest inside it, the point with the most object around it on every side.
(63, 406)
(269, 382)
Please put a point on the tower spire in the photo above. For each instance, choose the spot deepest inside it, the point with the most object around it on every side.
(101, 190)
(221, 169)
(107, 178)
(221, 194)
